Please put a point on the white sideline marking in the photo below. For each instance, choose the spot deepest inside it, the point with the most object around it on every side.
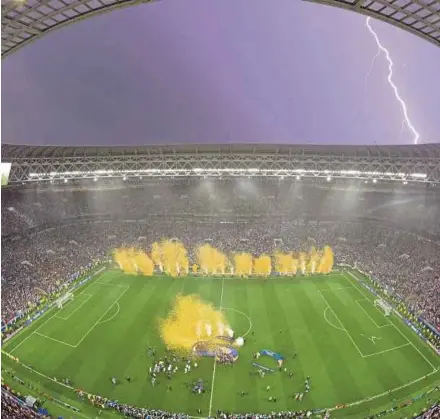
(112, 285)
(35, 331)
(342, 325)
(368, 399)
(76, 309)
(366, 312)
(215, 361)
(55, 340)
(392, 324)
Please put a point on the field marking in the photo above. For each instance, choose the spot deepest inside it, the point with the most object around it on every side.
(366, 312)
(74, 311)
(391, 323)
(112, 285)
(245, 315)
(35, 331)
(368, 399)
(111, 318)
(97, 322)
(329, 322)
(342, 325)
(55, 340)
(54, 315)
(215, 361)
(387, 350)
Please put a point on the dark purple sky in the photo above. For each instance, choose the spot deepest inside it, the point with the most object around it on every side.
(211, 71)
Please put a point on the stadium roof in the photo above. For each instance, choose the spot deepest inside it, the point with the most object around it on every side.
(420, 17)
(26, 21)
(12, 152)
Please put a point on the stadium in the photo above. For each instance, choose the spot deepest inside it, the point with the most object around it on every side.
(67, 209)
(219, 281)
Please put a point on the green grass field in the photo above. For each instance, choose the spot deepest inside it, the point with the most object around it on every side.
(353, 353)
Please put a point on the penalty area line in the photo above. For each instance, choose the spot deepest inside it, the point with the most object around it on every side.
(215, 361)
(356, 279)
(387, 350)
(342, 324)
(55, 340)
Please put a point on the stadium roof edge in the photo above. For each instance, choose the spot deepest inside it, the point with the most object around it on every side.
(12, 152)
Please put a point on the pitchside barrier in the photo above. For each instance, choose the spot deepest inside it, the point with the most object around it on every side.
(399, 299)
(93, 272)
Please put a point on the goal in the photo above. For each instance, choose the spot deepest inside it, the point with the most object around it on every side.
(64, 299)
(384, 306)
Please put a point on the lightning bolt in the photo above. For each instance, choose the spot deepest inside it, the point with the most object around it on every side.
(381, 49)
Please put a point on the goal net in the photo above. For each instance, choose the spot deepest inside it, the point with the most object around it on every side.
(64, 299)
(384, 306)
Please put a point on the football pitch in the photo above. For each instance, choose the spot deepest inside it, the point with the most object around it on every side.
(354, 354)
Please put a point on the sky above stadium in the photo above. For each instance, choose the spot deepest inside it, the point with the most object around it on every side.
(220, 71)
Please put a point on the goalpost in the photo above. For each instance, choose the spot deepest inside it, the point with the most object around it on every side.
(63, 299)
(384, 306)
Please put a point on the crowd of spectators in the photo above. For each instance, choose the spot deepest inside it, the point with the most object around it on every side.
(14, 407)
(36, 262)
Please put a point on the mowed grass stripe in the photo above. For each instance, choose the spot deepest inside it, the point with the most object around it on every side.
(263, 333)
(291, 308)
(332, 347)
(231, 380)
(120, 339)
(282, 342)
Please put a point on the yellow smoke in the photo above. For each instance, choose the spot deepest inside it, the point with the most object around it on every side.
(284, 263)
(156, 255)
(262, 265)
(302, 265)
(174, 258)
(191, 320)
(211, 260)
(143, 262)
(243, 264)
(313, 261)
(133, 261)
(327, 260)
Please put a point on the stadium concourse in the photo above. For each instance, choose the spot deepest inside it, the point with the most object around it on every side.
(53, 230)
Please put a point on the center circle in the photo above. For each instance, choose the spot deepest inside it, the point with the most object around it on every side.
(244, 315)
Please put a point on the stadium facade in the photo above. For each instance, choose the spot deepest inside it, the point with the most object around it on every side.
(415, 164)
(25, 22)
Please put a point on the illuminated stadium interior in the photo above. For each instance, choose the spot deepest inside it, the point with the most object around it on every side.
(260, 225)
(227, 281)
